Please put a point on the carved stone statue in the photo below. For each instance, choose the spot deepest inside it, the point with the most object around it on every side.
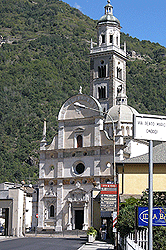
(119, 89)
(80, 91)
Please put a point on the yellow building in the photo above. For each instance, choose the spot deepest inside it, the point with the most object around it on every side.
(133, 173)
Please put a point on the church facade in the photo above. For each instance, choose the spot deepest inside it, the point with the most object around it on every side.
(94, 132)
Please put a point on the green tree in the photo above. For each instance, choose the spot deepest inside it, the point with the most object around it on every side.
(126, 218)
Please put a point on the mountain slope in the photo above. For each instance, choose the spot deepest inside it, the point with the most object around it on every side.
(43, 61)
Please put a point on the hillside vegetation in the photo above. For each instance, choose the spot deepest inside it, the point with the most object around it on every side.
(43, 61)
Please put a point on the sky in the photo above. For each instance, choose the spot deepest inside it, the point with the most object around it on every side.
(143, 19)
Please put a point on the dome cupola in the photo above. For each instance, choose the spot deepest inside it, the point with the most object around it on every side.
(108, 28)
(122, 112)
(108, 8)
(109, 17)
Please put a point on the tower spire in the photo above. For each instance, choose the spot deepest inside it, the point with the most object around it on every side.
(44, 131)
(108, 8)
(108, 62)
(43, 142)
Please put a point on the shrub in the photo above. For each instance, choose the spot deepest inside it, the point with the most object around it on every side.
(92, 231)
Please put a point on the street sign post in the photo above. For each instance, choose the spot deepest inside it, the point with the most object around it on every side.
(150, 127)
(109, 199)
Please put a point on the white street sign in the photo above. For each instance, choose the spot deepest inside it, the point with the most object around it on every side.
(150, 127)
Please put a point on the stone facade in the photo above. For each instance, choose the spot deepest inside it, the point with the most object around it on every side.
(82, 154)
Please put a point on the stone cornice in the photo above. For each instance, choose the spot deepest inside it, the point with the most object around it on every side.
(107, 53)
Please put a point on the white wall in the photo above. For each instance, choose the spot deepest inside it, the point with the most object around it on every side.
(28, 212)
(138, 148)
(17, 221)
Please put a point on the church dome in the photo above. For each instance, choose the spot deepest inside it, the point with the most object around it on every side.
(108, 18)
(122, 112)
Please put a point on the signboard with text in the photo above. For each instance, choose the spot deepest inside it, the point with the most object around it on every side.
(158, 218)
(109, 199)
(150, 127)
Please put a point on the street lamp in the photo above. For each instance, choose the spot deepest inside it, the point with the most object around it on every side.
(77, 104)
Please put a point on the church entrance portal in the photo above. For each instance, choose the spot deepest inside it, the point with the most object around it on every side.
(79, 219)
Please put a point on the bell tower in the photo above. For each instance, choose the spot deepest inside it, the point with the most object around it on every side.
(108, 61)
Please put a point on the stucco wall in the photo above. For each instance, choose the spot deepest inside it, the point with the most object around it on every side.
(18, 198)
(134, 178)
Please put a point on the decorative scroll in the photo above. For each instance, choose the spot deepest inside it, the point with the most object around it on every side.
(47, 182)
(80, 180)
(78, 195)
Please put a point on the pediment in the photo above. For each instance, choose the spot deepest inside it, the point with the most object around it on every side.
(69, 111)
(78, 195)
(77, 191)
(79, 130)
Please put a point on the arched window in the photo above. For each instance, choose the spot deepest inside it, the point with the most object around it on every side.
(99, 72)
(122, 130)
(51, 211)
(79, 141)
(111, 38)
(102, 71)
(119, 73)
(103, 38)
(99, 92)
(102, 92)
(117, 40)
(128, 130)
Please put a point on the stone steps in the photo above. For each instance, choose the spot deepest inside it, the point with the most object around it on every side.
(75, 232)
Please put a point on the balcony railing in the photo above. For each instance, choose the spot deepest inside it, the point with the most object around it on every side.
(108, 48)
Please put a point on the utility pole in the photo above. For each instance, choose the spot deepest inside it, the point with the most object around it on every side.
(150, 207)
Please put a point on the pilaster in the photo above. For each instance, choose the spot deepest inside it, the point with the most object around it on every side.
(97, 134)
(69, 225)
(85, 225)
(59, 206)
(61, 135)
(41, 206)
(97, 167)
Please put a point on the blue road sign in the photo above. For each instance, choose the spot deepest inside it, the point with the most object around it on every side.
(159, 216)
